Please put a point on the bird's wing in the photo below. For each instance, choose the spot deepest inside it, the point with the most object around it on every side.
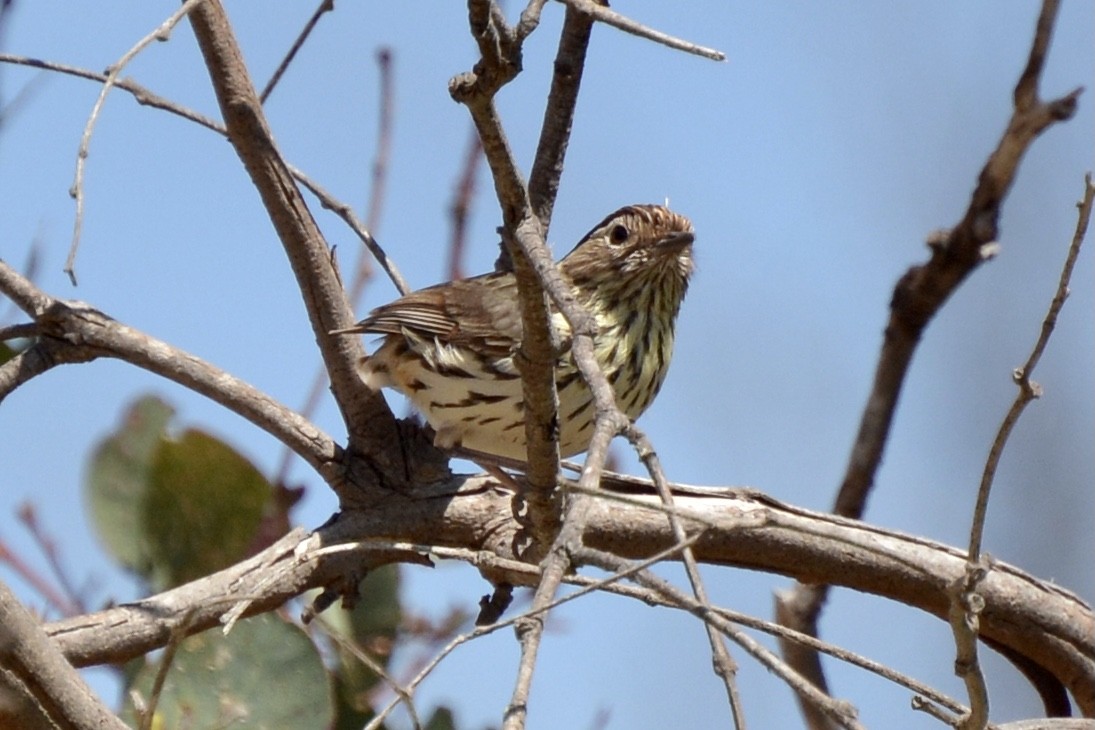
(455, 313)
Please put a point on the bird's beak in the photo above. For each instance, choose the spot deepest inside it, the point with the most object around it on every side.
(677, 241)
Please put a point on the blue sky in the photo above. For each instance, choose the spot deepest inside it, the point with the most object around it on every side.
(814, 162)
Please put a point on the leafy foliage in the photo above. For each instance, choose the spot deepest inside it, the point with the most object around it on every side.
(174, 509)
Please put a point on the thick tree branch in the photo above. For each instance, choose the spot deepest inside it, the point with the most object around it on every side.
(372, 428)
(39, 665)
(1039, 620)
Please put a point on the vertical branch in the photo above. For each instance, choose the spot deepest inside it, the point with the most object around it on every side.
(461, 206)
(1028, 389)
(522, 232)
(547, 169)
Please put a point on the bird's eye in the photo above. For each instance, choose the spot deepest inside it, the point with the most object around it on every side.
(619, 234)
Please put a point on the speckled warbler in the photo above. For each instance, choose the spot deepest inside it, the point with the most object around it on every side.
(450, 348)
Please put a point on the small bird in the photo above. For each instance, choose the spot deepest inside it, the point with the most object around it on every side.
(450, 348)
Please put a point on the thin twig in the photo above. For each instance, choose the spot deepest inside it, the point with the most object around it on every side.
(179, 633)
(587, 587)
(461, 205)
(843, 713)
(324, 7)
(1028, 389)
(404, 695)
(652, 597)
(146, 97)
(37, 581)
(161, 33)
(964, 616)
(724, 665)
(966, 604)
(610, 17)
(74, 605)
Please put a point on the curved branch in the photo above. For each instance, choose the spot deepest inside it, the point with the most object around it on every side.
(739, 528)
(74, 332)
(919, 294)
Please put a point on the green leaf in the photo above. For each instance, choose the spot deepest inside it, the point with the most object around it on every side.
(265, 674)
(116, 483)
(203, 508)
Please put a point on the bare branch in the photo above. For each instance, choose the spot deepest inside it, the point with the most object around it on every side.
(522, 233)
(1033, 618)
(922, 291)
(566, 80)
(461, 205)
(363, 271)
(38, 664)
(1028, 389)
(532, 574)
(74, 332)
(723, 663)
(372, 428)
(964, 616)
(966, 602)
(145, 97)
(610, 17)
(655, 598)
(839, 712)
(325, 6)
